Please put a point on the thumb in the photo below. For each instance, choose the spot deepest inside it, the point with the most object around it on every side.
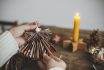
(46, 59)
(20, 41)
(28, 27)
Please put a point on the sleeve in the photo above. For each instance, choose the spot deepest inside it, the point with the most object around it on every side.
(8, 47)
(56, 68)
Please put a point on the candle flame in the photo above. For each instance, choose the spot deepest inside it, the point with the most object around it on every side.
(77, 14)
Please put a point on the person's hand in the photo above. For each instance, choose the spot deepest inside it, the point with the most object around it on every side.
(18, 31)
(51, 62)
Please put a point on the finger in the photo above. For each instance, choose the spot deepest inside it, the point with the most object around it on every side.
(29, 27)
(41, 65)
(46, 58)
(20, 41)
(33, 26)
(56, 58)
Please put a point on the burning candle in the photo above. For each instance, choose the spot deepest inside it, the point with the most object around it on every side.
(76, 27)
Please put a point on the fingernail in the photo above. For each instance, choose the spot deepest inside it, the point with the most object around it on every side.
(44, 54)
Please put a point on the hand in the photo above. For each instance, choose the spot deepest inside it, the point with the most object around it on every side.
(51, 62)
(18, 31)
